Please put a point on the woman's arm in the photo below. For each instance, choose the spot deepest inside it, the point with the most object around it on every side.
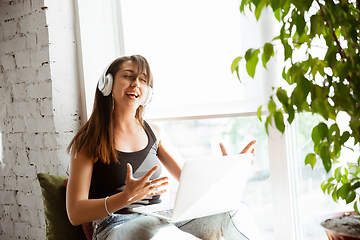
(81, 209)
(169, 161)
(166, 153)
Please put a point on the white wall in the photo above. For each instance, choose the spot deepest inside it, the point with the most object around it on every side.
(39, 107)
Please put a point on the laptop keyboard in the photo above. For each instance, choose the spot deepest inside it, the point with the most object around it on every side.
(165, 213)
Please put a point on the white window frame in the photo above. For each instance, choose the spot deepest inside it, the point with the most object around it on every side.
(98, 30)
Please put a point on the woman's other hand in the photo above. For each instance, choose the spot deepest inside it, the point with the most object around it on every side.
(245, 150)
(138, 189)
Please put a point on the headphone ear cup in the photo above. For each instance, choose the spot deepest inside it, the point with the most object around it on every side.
(105, 84)
(149, 96)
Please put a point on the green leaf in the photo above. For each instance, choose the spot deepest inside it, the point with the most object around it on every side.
(324, 186)
(344, 178)
(287, 50)
(302, 5)
(275, 4)
(282, 96)
(315, 136)
(330, 56)
(279, 121)
(351, 197)
(334, 131)
(344, 137)
(319, 132)
(300, 92)
(267, 123)
(259, 113)
(291, 113)
(356, 186)
(325, 156)
(285, 5)
(284, 74)
(322, 130)
(337, 174)
(268, 52)
(356, 208)
(256, 2)
(331, 188)
(277, 14)
(237, 73)
(304, 85)
(314, 25)
(300, 24)
(295, 73)
(259, 8)
(343, 70)
(272, 106)
(235, 64)
(251, 57)
(334, 195)
(249, 54)
(310, 159)
(319, 106)
(346, 193)
(344, 190)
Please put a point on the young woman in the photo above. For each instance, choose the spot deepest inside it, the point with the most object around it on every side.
(116, 160)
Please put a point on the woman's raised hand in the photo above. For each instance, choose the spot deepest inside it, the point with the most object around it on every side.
(138, 189)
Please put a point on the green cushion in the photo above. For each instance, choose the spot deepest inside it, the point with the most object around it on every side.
(58, 225)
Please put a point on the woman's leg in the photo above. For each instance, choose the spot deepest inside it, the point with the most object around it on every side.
(206, 228)
(139, 227)
(242, 220)
(102, 227)
(233, 225)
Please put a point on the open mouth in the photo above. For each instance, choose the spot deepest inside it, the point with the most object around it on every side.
(133, 95)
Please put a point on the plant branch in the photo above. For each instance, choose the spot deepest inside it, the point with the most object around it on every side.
(328, 24)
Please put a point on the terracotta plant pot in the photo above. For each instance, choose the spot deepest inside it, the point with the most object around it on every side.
(337, 235)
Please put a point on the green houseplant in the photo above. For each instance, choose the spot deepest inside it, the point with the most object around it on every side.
(326, 85)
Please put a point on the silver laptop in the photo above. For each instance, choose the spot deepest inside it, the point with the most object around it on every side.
(207, 186)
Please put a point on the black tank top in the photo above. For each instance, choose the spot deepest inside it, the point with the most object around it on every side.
(109, 179)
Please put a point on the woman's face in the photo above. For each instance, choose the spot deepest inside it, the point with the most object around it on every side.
(130, 88)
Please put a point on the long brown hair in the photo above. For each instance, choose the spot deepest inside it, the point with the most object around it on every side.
(96, 137)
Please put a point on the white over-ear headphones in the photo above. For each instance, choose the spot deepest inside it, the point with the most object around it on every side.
(105, 85)
(148, 97)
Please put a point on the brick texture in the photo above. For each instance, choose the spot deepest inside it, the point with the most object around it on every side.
(39, 107)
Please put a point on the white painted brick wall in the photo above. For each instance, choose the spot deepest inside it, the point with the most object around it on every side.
(39, 107)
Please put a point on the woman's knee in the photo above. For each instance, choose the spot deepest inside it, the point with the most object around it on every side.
(147, 227)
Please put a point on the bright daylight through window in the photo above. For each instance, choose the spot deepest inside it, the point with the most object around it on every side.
(190, 50)
(190, 46)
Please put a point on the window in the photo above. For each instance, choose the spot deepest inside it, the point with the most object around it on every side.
(311, 204)
(190, 46)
